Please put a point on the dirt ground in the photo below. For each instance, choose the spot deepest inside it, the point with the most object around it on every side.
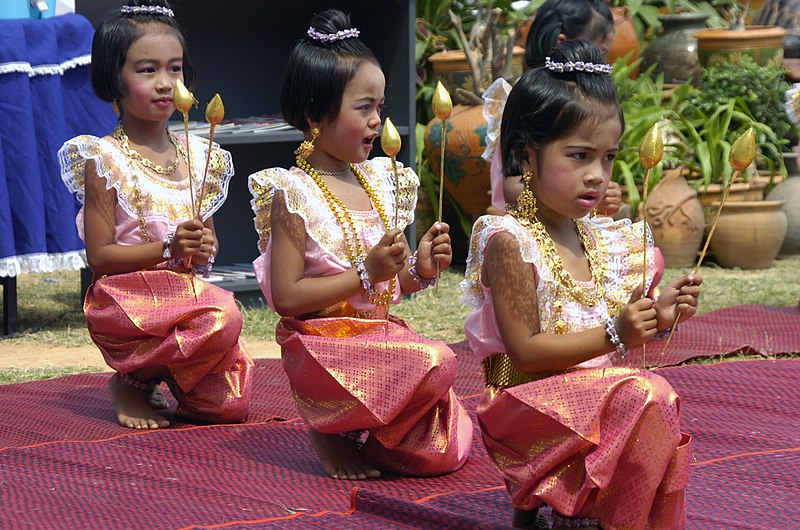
(35, 354)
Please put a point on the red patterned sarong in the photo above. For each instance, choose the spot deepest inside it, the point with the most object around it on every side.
(191, 327)
(351, 374)
(601, 443)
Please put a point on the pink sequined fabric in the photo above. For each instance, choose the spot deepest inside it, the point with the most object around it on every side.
(165, 318)
(602, 443)
(350, 374)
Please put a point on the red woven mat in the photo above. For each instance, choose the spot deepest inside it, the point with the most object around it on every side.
(743, 416)
(64, 462)
(764, 330)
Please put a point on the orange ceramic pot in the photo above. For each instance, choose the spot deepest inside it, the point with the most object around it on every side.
(749, 234)
(466, 173)
(676, 218)
(625, 38)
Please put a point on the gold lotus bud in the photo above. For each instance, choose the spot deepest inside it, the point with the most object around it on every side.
(182, 98)
(560, 326)
(652, 147)
(743, 150)
(442, 104)
(215, 110)
(390, 139)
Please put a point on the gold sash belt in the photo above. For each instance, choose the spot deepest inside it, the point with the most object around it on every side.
(498, 371)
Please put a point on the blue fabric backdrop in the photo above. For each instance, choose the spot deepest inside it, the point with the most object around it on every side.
(45, 98)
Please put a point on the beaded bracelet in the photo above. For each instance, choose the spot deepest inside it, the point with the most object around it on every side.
(204, 270)
(363, 275)
(423, 283)
(664, 333)
(144, 386)
(573, 522)
(613, 336)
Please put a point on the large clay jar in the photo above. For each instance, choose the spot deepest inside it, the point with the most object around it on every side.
(466, 172)
(789, 191)
(674, 51)
(675, 216)
(762, 43)
(749, 234)
(625, 38)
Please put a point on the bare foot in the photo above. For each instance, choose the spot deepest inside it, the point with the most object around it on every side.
(133, 406)
(529, 519)
(340, 457)
(157, 399)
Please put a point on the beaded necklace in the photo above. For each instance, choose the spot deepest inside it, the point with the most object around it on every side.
(598, 265)
(334, 173)
(349, 232)
(119, 134)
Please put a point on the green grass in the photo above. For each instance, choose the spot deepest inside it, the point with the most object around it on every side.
(50, 306)
(20, 375)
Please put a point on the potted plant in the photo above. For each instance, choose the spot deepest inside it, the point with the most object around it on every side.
(761, 87)
(480, 49)
(763, 43)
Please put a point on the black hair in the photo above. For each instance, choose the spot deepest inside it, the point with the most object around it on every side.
(115, 35)
(318, 72)
(576, 19)
(546, 105)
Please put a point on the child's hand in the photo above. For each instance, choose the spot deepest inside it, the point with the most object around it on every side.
(387, 258)
(680, 296)
(433, 248)
(636, 323)
(612, 201)
(208, 247)
(188, 239)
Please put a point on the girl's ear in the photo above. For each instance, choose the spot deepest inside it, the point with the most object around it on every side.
(561, 38)
(528, 159)
(311, 123)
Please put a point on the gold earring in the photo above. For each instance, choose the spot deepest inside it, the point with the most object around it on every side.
(306, 147)
(526, 202)
(115, 107)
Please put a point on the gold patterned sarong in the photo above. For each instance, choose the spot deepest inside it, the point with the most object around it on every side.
(191, 327)
(602, 443)
(351, 374)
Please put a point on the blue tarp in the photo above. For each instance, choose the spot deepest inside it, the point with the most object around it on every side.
(45, 99)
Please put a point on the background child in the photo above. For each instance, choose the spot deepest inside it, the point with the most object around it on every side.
(554, 22)
(333, 259)
(146, 311)
(554, 291)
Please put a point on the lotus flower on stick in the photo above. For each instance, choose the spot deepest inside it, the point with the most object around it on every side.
(215, 113)
(743, 152)
(184, 100)
(442, 107)
(651, 150)
(391, 143)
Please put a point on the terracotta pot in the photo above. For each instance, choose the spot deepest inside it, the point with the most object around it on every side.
(466, 173)
(762, 43)
(625, 38)
(740, 191)
(789, 191)
(676, 218)
(749, 234)
(452, 68)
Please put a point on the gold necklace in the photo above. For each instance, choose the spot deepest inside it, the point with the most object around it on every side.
(349, 232)
(122, 138)
(598, 266)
